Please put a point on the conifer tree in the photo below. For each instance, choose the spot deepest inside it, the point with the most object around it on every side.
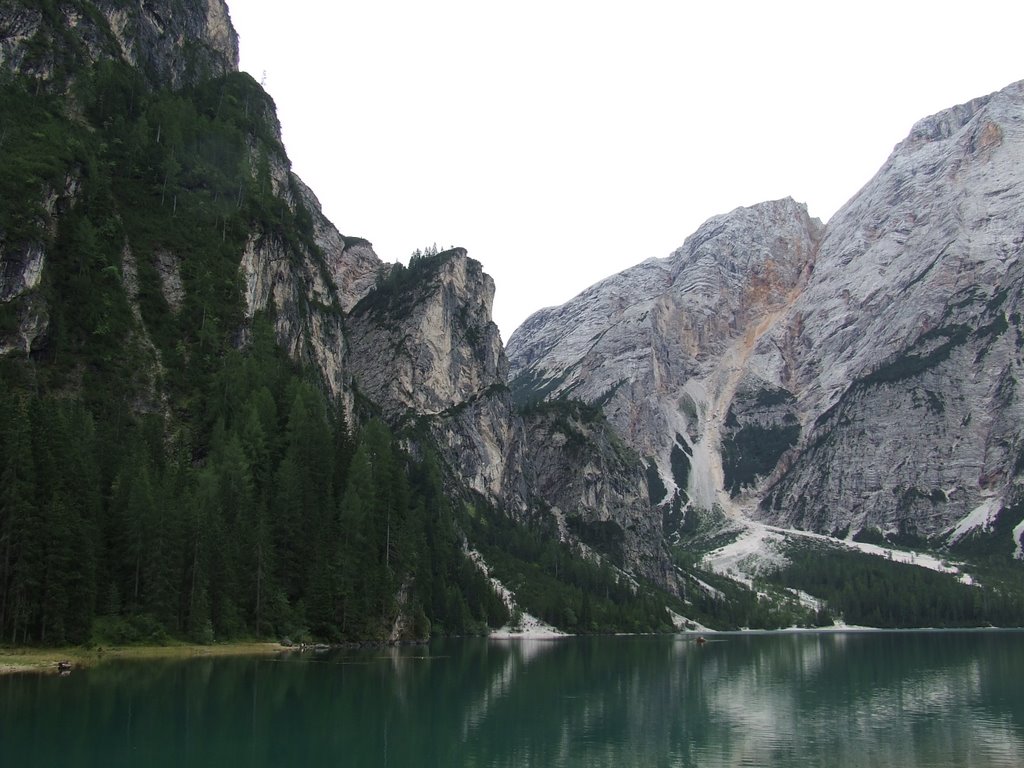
(21, 553)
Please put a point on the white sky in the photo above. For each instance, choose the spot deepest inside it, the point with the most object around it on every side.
(562, 141)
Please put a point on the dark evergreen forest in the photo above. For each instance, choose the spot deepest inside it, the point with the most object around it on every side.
(287, 525)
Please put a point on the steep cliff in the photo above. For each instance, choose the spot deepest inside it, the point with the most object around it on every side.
(857, 377)
(130, 132)
(904, 350)
(423, 340)
(593, 487)
(424, 350)
(662, 346)
(174, 441)
(171, 44)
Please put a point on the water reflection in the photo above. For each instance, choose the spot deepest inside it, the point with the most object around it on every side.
(909, 699)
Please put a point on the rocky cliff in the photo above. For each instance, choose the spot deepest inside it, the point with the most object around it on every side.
(860, 377)
(423, 341)
(171, 44)
(662, 346)
(206, 231)
(904, 350)
(857, 376)
(105, 68)
(424, 351)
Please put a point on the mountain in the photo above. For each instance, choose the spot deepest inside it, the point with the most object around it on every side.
(169, 45)
(909, 348)
(176, 444)
(662, 345)
(853, 379)
(221, 417)
(424, 351)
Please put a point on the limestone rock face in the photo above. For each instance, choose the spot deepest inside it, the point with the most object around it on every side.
(905, 347)
(351, 263)
(21, 274)
(861, 375)
(308, 285)
(308, 288)
(594, 487)
(428, 344)
(663, 345)
(422, 346)
(423, 349)
(484, 445)
(172, 44)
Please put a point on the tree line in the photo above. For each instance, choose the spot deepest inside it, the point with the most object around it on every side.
(268, 518)
(870, 591)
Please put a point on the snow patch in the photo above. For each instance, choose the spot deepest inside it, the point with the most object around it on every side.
(717, 594)
(1018, 533)
(906, 557)
(758, 548)
(981, 517)
(530, 628)
(806, 599)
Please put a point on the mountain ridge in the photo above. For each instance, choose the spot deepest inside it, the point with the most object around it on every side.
(278, 432)
(966, 154)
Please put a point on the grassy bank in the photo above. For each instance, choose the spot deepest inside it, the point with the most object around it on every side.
(18, 659)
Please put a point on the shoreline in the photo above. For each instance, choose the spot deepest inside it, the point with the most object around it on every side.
(17, 660)
(24, 660)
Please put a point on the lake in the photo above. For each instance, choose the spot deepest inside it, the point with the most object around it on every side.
(837, 699)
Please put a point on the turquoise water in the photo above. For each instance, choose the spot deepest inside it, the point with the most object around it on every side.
(859, 699)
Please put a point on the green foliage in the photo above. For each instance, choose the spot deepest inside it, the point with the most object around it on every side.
(250, 529)
(754, 451)
(688, 408)
(871, 591)
(908, 365)
(560, 587)
(49, 512)
(567, 416)
(39, 147)
(656, 490)
(395, 289)
(871, 535)
(993, 545)
(730, 605)
(529, 389)
(768, 397)
(605, 536)
(183, 174)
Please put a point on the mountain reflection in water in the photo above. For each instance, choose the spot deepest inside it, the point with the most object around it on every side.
(859, 699)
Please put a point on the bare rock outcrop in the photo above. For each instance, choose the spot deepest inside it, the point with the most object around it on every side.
(860, 375)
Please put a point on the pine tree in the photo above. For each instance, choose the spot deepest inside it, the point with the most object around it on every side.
(198, 553)
(21, 545)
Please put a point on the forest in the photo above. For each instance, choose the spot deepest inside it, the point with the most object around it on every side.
(870, 591)
(288, 526)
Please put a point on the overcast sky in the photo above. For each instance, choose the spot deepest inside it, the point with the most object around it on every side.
(562, 141)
